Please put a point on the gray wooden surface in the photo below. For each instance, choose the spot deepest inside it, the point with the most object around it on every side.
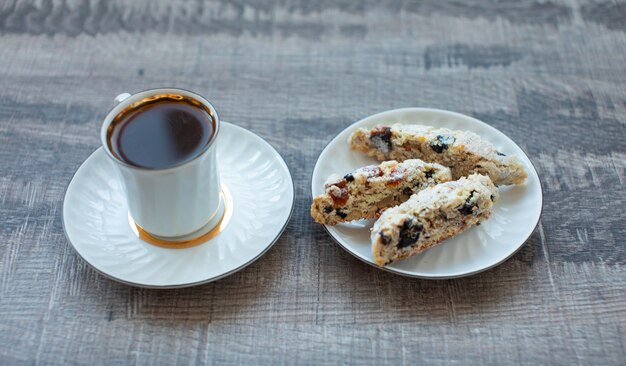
(550, 74)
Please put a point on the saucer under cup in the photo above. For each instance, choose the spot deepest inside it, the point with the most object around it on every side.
(95, 218)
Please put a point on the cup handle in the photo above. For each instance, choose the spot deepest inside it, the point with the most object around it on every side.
(120, 98)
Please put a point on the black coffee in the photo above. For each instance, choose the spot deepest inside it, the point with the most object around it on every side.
(161, 132)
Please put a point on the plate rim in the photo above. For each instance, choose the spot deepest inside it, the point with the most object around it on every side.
(420, 276)
(196, 283)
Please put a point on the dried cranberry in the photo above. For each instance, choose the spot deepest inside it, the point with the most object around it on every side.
(340, 183)
(396, 176)
(341, 198)
(338, 192)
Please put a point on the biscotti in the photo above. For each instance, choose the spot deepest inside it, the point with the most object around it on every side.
(431, 216)
(363, 193)
(463, 152)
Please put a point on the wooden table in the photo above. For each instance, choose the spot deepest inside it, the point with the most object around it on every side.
(550, 74)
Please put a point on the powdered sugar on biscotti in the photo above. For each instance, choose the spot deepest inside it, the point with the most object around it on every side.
(366, 191)
(431, 216)
(463, 151)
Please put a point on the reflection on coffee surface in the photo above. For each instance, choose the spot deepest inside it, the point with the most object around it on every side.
(161, 132)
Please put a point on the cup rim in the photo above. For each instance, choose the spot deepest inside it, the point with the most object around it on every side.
(147, 93)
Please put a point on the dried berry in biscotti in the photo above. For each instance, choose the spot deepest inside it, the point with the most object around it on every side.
(396, 176)
(338, 192)
(380, 137)
(469, 207)
(442, 142)
(410, 232)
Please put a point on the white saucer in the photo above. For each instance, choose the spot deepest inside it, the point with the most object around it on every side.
(514, 218)
(96, 222)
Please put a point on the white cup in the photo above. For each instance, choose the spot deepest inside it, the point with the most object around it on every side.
(175, 203)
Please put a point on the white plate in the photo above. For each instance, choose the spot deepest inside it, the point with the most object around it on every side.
(95, 218)
(514, 218)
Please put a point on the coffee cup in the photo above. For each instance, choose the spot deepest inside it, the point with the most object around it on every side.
(163, 145)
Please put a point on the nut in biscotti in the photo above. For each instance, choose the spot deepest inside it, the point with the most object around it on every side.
(463, 152)
(364, 193)
(431, 216)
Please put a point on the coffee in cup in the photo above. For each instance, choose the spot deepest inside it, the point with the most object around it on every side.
(161, 132)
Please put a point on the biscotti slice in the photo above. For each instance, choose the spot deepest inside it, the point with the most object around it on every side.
(463, 152)
(363, 193)
(431, 216)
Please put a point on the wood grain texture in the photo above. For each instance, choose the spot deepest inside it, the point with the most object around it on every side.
(550, 74)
